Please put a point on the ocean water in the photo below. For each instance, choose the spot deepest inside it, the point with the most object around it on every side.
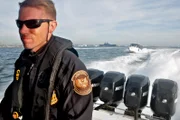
(152, 62)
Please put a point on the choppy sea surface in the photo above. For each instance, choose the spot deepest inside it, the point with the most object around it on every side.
(152, 62)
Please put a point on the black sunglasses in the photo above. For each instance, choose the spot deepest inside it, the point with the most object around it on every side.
(32, 23)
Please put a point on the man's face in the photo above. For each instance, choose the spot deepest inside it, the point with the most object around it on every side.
(34, 38)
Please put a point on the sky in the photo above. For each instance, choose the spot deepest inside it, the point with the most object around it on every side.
(147, 22)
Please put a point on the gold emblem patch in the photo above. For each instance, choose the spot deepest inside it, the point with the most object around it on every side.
(54, 98)
(81, 83)
(17, 74)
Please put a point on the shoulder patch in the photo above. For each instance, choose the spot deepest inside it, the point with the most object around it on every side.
(81, 82)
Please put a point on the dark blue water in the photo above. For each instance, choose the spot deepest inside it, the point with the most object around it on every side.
(87, 55)
(7, 59)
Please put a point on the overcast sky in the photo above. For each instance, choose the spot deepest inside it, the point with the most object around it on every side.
(147, 22)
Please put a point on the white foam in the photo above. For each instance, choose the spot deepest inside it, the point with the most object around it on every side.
(125, 64)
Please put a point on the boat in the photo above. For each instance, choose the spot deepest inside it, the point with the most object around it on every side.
(118, 98)
(134, 48)
(106, 44)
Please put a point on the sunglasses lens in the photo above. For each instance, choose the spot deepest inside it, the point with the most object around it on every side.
(19, 23)
(32, 23)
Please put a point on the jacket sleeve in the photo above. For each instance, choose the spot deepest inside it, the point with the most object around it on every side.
(5, 105)
(74, 104)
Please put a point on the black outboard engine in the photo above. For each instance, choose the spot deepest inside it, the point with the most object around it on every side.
(136, 94)
(96, 76)
(112, 86)
(164, 98)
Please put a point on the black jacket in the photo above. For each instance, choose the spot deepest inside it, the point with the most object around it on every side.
(27, 94)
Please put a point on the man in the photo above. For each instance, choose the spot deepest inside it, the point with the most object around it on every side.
(50, 82)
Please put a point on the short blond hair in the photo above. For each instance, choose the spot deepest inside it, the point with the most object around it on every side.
(48, 6)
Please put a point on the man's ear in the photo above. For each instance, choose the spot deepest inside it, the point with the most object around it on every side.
(52, 26)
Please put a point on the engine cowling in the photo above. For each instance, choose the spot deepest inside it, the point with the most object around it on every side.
(164, 97)
(136, 92)
(96, 76)
(112, 86)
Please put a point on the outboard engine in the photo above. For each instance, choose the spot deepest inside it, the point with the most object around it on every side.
(96, 76)
(112, 86)
(164, 98)
(136, 94)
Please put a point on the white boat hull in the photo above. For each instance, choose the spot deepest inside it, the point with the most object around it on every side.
(134, 49)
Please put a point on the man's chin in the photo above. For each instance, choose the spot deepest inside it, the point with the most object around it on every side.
(27, 46)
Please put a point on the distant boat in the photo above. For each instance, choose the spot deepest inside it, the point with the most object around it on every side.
(107, 45)
(135, 48)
